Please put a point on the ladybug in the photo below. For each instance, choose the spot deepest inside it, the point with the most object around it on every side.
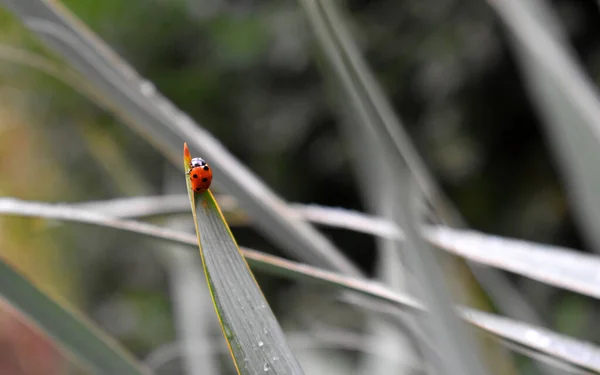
(200, 175)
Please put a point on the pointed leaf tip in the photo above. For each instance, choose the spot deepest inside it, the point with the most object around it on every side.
(187, 158)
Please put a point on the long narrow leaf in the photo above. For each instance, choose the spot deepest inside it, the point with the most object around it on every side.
(567, 100)
(256, 340)
(559, 346)
(304, 273)
(551, 265)
(377, 114)
(194, 318)
(561, 267)
(70, 330)
(138, 103)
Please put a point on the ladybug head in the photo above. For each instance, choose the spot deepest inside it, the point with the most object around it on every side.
(198, 162)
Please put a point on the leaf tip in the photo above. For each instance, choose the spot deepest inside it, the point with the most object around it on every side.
(187, 158)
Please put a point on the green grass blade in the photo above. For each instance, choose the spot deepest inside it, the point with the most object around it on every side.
(194, 319)
(555, 344)
(137, 102)
(88, 344)
(256, 341)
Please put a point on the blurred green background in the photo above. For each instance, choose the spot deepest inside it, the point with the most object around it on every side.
(246, 70)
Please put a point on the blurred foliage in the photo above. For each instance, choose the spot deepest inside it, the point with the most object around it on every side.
(244, 69)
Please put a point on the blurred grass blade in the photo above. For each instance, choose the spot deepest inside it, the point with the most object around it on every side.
(460, 355)
(566, 99)
(567, 349)
(376, 179)
(362, 90)
(138, 103)
(256, 340)
(558, 346)
(41, 63)
(551, 265)
(304, 273)
(377, 114)
(271, 264)
(88, 344)
(561, 267)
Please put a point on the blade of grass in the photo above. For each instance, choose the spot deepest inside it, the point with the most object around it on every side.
(194, 317)
(572, 351)
(558, 346)
(78, 336)
(256, 341)
(551, 265)
(566, 99)
(41, 63)
(377, 115)
(304, 273)
(366, 95)
(534, 338)
(561, 267)
(459, 354)
(164, 126)
(376, 182)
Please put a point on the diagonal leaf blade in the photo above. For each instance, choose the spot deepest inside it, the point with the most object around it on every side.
(73, 332)
(256, 341)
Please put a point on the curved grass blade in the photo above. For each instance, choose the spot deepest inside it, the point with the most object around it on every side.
(304, 273)
(140, 105)
(87, 343)
(268, 263)
(256, 341)
(557, 266)
(560, 267)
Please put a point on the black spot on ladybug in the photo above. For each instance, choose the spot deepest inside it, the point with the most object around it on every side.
(197, 189)
(204, 179)
(206, 167)
(195, 176)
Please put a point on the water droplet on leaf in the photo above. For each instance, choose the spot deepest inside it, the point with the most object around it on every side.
(147, 88)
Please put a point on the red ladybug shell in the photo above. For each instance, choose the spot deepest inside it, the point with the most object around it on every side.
(200, 175)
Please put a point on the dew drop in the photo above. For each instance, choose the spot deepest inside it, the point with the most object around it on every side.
(537, 338)
(228, 331)
(147, 88)
(261, 344)
(266, 367)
